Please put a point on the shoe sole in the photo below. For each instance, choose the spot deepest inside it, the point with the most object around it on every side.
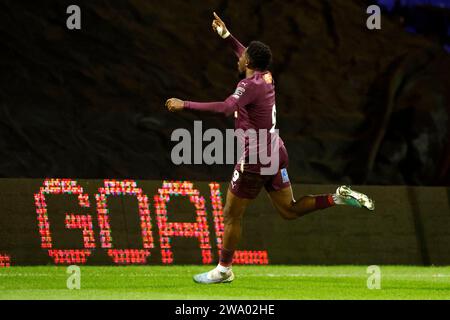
(362, 199)
(228, 280)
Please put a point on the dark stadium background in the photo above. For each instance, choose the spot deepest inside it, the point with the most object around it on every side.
(354, 105)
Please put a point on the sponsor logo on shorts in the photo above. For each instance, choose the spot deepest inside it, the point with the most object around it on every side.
(234, 179)
(284, 175)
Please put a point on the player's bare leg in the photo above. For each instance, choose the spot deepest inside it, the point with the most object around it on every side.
(233, 213)
(289, 208)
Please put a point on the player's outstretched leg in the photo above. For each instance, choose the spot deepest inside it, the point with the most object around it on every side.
(290, 209)
(233, 212)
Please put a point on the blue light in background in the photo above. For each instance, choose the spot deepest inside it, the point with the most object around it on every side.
(434, 3)
(389, 5)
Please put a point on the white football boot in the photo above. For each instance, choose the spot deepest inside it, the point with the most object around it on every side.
(347, 196)
(215, 276)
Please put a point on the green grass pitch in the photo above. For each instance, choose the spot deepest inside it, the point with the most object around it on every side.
(252, 282)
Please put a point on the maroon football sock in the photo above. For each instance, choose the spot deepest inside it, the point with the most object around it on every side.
(226, 257)
(324, 201)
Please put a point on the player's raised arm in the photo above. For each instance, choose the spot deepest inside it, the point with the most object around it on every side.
(221, 29)
(226, 107)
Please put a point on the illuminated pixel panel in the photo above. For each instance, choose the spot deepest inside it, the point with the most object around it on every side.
(240, 257)
(84, 223)
(98, 222)
(69, 187)
(5, 261)
(167, 230)
(120, 188)
(90, 232)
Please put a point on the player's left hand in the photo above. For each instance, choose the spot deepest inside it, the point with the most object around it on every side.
(219, 26)
(174, 104)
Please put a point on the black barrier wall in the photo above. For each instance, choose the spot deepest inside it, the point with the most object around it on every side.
(68, 221)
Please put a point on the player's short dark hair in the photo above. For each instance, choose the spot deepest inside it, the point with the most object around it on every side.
(260, 55)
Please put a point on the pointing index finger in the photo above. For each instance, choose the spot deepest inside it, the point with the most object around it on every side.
(217, 17)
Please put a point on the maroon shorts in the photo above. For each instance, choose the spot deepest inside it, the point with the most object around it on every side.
(247, 184)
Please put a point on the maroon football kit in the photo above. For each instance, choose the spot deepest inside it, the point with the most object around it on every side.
(264, 159)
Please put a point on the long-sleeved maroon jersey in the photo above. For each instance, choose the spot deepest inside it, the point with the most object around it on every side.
(253, 105)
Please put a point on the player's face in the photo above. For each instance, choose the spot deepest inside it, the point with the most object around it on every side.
(243, 63)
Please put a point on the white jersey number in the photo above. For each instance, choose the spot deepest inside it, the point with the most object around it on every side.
(274, 119)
